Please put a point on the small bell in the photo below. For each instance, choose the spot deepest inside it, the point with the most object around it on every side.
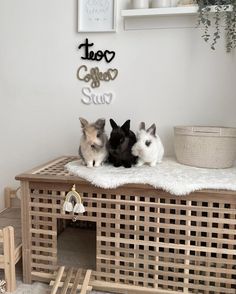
(74, 219)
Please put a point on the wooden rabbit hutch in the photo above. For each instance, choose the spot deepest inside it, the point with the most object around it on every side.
(147, 240)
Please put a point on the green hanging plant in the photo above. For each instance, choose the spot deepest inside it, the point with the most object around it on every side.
(225, 9)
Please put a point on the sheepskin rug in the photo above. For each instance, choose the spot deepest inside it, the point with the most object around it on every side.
(169, 175)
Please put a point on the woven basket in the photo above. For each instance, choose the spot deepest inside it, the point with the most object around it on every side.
(209, 147)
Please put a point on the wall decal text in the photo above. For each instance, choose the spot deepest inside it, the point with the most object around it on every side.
(95, 76)
(99, 55)
(96, 98)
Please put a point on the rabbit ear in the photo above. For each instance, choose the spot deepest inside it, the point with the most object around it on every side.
(113, 124)
(152, 130)
(142, 126)
(100, 123)
(83, 122)
(126, 126)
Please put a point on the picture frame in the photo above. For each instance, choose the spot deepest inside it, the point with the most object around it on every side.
(96, 16)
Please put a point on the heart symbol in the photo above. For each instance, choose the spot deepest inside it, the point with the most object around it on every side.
(106, 55)
(113, 73)
(107, 98)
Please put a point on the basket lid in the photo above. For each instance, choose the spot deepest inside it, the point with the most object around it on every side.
(205, 131)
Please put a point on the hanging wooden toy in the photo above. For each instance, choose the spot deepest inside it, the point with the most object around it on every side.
(68, 205)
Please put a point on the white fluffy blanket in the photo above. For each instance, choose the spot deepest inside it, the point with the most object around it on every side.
(169, 175)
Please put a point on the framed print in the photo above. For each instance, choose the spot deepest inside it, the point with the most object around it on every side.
(96, 16)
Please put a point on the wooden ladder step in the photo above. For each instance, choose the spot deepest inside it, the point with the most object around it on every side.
(86, 282)
(58, 280)
(76, 282)
(72, 278)
(67, 281)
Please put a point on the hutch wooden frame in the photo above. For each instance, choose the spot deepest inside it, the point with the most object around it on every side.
(148, 241)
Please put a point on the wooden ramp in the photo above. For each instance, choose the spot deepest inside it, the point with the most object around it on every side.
(69, 281)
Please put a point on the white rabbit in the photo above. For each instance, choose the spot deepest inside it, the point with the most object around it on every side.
(148, 147)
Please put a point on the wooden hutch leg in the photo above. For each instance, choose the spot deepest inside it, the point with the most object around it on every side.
(25, 220)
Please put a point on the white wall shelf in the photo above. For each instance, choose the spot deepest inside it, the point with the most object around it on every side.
(159, 11)
(181, 10)
(159, 18)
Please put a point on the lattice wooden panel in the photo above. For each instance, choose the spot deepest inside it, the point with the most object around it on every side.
(56, 168)
(146, 238)
(43, 231)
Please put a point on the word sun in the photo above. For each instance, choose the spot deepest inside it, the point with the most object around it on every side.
(95, 98)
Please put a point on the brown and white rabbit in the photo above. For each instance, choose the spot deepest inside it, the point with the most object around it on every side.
(93, 143)
(148, 147)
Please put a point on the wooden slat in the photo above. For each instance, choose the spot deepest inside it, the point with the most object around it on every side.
(86, 282)
(25, 222)
(40, 257)
(67, 281)
(43, 249)
(130, 288)
(70, 285)
(43, 266)
(44, 205)
(44, 232)
(158, 205)
(76, 281)
(18, 253)
(9, 258)
(167, 245)
(41, 240)
(43, 275)
(124, 289)
(58, 279)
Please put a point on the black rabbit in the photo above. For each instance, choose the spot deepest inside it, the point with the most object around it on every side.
(120, 144)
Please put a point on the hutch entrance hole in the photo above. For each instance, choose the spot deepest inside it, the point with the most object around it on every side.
(76, 244)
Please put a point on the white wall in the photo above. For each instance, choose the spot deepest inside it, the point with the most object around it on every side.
(167, 76)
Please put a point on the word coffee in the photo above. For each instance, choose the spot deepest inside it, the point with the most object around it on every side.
(95, 75)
